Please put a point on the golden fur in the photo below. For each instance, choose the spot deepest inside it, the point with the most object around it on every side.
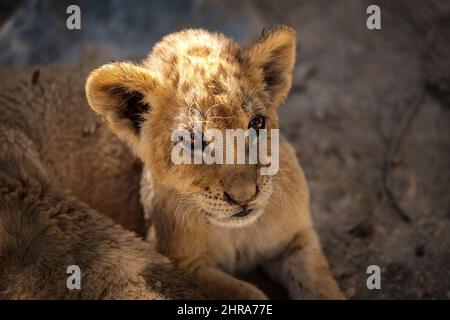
(193, 77)
(54, 158)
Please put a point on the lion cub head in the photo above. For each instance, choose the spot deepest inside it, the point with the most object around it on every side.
(196, 77)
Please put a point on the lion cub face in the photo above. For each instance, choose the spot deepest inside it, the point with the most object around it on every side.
(195, 79)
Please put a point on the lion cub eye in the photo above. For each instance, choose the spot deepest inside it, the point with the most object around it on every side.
(257, 122)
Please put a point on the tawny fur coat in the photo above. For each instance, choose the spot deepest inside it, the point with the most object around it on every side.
(60, 167)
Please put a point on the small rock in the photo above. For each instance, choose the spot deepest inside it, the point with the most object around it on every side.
(89, 127)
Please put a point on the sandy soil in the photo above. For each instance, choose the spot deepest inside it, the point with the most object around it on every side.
(355, 89)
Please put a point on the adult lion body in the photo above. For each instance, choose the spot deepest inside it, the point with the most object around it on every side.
(44, 118)
(216, 220)
(54, 158)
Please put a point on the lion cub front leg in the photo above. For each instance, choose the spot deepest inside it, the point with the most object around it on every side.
(217, 284)
(303, 269)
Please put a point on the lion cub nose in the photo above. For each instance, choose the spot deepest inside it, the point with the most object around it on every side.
(242, 197)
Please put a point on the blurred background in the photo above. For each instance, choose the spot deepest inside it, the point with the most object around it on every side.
(368, 113)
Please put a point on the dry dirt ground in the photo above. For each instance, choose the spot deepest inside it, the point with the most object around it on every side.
(373, 140)
(355, 92)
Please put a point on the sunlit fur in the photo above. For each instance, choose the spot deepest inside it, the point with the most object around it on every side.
(193, 77)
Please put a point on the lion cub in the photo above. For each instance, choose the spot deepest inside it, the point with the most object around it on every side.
(217, 219)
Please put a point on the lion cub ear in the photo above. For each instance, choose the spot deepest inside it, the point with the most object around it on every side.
(119, 93)
(273, 57)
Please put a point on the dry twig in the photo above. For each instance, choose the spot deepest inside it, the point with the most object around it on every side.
(392, 149)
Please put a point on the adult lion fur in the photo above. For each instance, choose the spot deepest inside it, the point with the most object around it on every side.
(59, 168)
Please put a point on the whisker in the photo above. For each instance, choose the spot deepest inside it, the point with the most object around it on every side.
(209, 109)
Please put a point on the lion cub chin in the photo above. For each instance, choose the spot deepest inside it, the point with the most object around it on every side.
(217, 219)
